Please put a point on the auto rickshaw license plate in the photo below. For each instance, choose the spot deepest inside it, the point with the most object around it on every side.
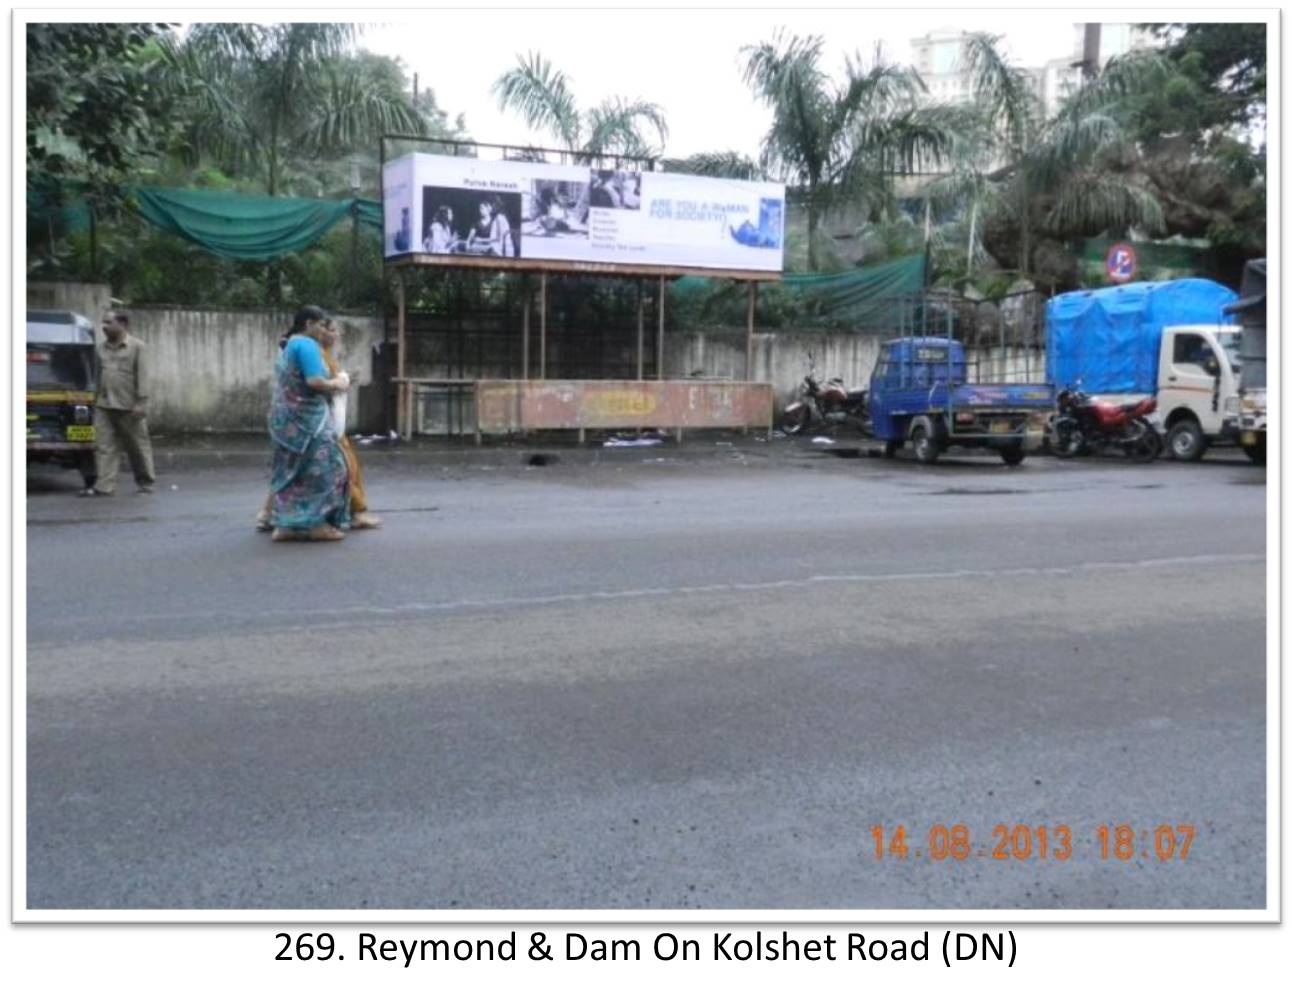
(1000, 427)
(80, 433)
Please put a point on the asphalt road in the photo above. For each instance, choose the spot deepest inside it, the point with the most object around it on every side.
(653, 682)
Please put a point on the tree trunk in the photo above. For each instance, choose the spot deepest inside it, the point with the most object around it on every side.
(1025, 225)
(273, 274)
(814, 216)
(973, 231)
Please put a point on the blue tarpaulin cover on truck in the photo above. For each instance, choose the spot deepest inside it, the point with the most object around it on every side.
(1109, 338)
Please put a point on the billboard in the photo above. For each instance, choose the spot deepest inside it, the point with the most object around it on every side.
(448, 205)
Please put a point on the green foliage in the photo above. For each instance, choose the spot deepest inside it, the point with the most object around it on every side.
(1220, 83)
(94, 110)
(729, 164)
(244, 108)
(269, 101)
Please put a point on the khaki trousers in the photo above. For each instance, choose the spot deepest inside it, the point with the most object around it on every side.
(117, 432)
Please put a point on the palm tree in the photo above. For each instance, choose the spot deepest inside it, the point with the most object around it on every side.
(1066, 162)
(841, 140)
(269, 100)
(542, 96)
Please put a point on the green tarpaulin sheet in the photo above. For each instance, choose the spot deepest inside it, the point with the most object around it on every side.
(243, 226)
(865, 297)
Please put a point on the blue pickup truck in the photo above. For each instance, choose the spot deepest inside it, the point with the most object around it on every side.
(920, 391)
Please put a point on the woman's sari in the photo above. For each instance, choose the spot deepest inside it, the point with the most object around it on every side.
(308, 481)
(358, 493)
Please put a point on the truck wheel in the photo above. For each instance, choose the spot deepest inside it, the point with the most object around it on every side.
(1256, 453)
(892, 448)
(1012, 455)
(926, 447)
(1186, 441)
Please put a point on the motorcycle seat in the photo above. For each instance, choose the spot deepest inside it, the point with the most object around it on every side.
(857, 396)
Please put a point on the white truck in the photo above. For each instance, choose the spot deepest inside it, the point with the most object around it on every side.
(1168, 339)
(1249, 310)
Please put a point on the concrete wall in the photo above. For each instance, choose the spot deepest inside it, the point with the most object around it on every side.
(90, 300)
(780, 358)
(212, 371)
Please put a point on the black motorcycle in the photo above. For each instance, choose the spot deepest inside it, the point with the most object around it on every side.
(825, 407)
(1083, 425)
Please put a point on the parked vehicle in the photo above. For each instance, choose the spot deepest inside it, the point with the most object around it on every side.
(60, 391)
(826, 407)
(1083, 425)
(1160, 340)
(920, 392)
(1249, 310)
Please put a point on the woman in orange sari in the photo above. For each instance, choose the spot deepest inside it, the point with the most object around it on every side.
(360, 517)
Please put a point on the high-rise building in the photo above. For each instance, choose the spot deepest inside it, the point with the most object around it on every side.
(939, 56)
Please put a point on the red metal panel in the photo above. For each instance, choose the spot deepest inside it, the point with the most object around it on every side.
(515, 405)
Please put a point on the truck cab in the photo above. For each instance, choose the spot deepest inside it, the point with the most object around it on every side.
(920, 392)
(1197, 396)
(1249, 311)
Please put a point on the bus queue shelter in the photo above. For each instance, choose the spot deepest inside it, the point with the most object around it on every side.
(534, 401)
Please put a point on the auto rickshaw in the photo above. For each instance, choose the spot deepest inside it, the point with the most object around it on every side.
(60, 391)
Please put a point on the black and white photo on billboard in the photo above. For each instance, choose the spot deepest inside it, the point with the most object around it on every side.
(556, 209)
(620, 191)
(471, 222)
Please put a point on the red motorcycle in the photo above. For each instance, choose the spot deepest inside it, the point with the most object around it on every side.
(1083, 425)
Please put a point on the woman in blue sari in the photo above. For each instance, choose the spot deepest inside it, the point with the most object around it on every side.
(308, 482)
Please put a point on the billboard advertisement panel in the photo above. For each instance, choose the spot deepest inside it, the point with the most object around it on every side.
(448, 205)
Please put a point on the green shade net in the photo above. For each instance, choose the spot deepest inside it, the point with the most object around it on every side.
(61, 207)
(244, 226)
(865, 297)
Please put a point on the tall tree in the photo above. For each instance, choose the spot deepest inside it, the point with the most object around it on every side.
(1069, 174)
(268, 100)
(543, 97)
(841, 140)
(95, 111)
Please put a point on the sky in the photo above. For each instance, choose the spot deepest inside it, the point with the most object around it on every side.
(687, 61)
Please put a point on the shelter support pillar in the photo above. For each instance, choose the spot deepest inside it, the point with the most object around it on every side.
(402, 405)
(659, 339)
(542, 326)
(641, 331)
(524, 333)
(749, 337)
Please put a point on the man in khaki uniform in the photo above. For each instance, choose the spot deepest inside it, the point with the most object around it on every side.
(120, 404)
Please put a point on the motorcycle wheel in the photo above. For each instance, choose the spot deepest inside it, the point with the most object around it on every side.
(1066, 441)
(1146, 446)
(796, 422)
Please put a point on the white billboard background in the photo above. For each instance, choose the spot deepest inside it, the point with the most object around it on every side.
(446, 205)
